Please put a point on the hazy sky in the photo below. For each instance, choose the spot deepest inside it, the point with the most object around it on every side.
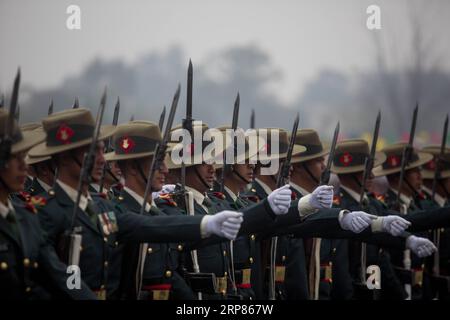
(301, 37)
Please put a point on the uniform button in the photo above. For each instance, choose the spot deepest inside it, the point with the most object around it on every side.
(225, 274)
(253, 190)
(102, 286)
(28, 289)
(120, 198)
(283, 258)
(224, 253)
(150, 250)
(442, 230)
(35, 265)
(105, 239)
(168, 274)
(81, 248)
(3, 266)
(51, 192)
(116, 243)
(252, 237)
(26, 262)
(334, 250)
(250, 259)
(180, 247)
(105, 264)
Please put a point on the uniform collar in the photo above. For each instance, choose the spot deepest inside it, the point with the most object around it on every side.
(441, 201)
(96, 187)
(404, 198)
(352, 193)
(265, 187)
(72, 194)
(4, 210)
(299, 189)
(139, 199)
(44, 186)
(230, 193)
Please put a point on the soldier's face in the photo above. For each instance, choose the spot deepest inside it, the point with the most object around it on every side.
(316, 166)
(206, 172)
(159, 178)
(15, 172)
(414, 177)
(99, 162)
(245, 171)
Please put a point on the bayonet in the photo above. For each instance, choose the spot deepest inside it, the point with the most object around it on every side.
(407, 153)
(161, 119)
(252, 119)
(325, 177)
(76, 103)
(50, 108)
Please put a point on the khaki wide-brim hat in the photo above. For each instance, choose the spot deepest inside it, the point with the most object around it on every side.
(243, 153)
(393, 161)
(311, 141)
(134, 140)
(270, 137)
(350, 156)
(21, 141)
(444, 165)
(30, 126)
(197, 152)
(67, 130)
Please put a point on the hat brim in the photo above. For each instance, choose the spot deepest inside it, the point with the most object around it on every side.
(218, 156)
(298, 159)
(423, 158)
(112, 156)
(428, 174)
(380, 157)
(42, 149)
(33, 160)
(29, 140)
(295, 151)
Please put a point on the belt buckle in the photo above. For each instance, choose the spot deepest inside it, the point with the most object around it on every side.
(417, 277)
(101, 294)
(222, 285)
(160, 294)
(246, 275)
(280, 272)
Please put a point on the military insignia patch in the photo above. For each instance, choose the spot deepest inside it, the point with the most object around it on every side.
(108, 222)
(346, 159)
(64, 134)
(393, 161)
(127, 144)
(218, 195)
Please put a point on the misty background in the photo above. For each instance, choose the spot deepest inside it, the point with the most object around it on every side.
(313, 57)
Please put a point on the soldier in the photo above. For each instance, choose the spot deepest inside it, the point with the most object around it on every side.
(29, 267)
(349, 165)
(326, 256)
(134, 149)
(199, 179)
(69, 134)
(441, 236)
(409, 266)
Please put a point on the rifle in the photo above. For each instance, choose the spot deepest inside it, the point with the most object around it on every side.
(106, 168)
(325, 177)
(282, 179)
(72, 238)
(436, 233)
(368, 167)
(234, 124)
(2, 101)
(6, 140)
(407, 153)
(17, 115)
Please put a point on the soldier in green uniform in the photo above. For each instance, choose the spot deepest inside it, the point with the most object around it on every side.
(29, 267)
(410, 267)
(134, 147)
(440, 264)
(103, 225)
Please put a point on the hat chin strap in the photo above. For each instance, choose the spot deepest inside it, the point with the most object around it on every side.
(311, 176)
(239, 175)
(141, 172)
(201, 179)
(447, 193)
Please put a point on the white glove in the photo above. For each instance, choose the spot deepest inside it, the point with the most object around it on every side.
(394, 225)
(422, 247)
(280, 200)
(225, 224)
(322, 197)
(355, 221)
(167, 188)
